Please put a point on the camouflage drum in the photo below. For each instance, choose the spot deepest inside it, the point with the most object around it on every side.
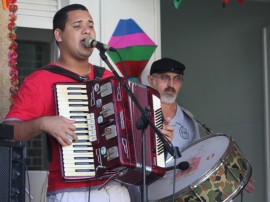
(218, 171)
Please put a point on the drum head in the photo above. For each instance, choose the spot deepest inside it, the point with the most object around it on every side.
(203, 156)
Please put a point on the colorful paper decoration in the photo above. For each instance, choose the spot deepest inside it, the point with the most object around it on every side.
(177, 3)
(134, 46)
(5, 4)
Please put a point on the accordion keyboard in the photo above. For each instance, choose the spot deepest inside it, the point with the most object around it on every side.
(78, 157)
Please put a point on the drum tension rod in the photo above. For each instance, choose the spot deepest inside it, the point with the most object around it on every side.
(192, 190)
(226, 165)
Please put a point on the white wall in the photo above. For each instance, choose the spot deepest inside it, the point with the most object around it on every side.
(36, 14)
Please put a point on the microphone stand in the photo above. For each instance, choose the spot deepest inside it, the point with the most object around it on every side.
(142, 124)
(168, 146)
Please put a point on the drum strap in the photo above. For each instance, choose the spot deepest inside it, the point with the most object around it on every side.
(190, 115)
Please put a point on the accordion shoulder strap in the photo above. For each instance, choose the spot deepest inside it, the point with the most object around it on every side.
(98, 72)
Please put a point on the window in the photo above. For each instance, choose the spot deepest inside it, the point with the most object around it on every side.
(34, 51)
(32, 56)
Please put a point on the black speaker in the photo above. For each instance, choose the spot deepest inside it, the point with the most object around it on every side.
(12, 172)
(6, 131)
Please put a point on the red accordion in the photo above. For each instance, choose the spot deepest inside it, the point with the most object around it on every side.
(109, 144)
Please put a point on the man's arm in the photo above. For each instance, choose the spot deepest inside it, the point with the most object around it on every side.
(57, 126)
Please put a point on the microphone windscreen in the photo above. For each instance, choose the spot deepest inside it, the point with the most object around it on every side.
(89, 42)
(184, 165)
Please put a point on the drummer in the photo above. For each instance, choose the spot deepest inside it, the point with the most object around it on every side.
(166, 76)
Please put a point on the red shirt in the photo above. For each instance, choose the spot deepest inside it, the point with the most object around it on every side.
(35, 98)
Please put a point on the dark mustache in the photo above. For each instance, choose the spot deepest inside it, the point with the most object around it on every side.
(169, 89)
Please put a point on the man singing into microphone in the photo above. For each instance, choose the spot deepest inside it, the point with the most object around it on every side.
(34, 109)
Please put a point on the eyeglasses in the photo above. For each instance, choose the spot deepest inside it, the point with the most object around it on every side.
(166, 78)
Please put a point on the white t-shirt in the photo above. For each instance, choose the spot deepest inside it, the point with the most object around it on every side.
(185, 130)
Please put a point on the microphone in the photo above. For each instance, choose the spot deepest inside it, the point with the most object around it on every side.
(184, 165)
(92, 43)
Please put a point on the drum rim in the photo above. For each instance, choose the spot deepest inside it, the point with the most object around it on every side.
(214, 168)
(204, 138)
(203, 177)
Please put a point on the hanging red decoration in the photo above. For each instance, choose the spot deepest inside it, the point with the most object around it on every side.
(225, 3)
(241, 2)
(12, 53)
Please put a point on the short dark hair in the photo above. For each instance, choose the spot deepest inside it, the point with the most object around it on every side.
(60, 18)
